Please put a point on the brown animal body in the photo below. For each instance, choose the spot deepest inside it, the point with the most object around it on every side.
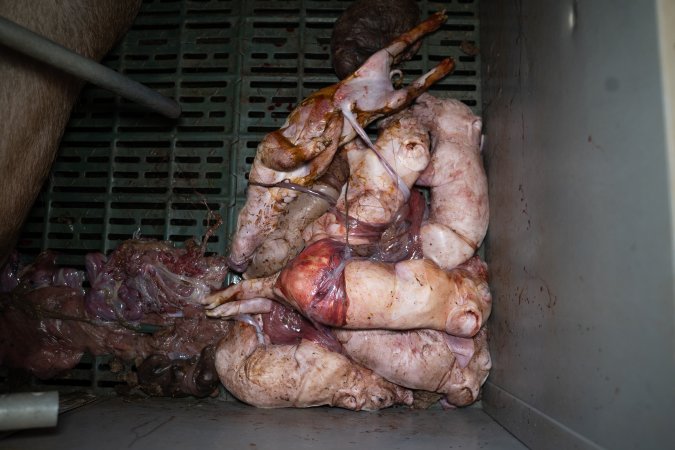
(37, 99)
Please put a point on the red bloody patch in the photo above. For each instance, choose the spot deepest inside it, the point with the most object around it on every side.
(416, 207)
(284, 325)
(476, 268)
(314, 282)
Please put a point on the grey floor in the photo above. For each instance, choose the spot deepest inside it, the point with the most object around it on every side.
(148, 424)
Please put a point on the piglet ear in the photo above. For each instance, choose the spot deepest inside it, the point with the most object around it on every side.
(477, 124)
(474, 129)
(462, 348)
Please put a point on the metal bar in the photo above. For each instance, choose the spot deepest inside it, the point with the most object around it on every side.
(47, 51)
(28, 410)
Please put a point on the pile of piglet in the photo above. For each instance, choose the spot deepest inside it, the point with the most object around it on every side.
(356, 291)
(392, 290)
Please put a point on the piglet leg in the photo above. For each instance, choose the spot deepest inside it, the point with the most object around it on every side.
(244, 290)
(238, 307)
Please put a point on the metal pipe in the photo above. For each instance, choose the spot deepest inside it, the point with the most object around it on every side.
(47, 51)
(23, 410)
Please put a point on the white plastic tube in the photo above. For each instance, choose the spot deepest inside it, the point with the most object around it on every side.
(24, 410)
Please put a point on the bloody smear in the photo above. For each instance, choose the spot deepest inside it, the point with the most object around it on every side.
(286, 326)
(314, 282)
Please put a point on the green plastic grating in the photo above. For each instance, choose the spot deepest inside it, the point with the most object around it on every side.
(237, 69)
